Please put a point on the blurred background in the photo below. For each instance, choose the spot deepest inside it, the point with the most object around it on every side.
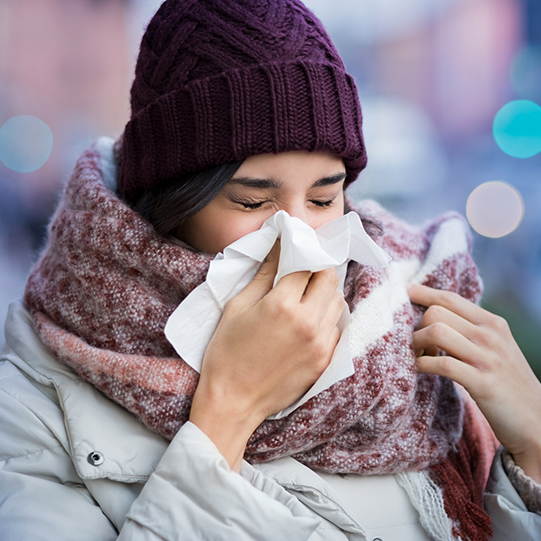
(451, 96)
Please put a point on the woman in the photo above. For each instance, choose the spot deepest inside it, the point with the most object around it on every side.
(241, 109)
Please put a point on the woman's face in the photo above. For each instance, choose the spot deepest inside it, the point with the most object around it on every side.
(307, 185)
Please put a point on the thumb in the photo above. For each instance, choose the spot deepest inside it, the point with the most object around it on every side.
(263, 281)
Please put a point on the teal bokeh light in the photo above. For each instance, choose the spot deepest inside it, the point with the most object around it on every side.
(517, 128)
(25, 143)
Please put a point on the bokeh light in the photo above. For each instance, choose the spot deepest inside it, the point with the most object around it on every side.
(495, 209)
(526, 73)
(517, 128)
(25, 143)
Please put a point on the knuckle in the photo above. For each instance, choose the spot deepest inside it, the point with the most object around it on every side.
(235, 304)
(449, 299)
(487, 365)
(499, 323)
(279, 307)
(331, 275)
(447, 365)
(308, 332)
(434, 313)
(437, 331)
(319, 351)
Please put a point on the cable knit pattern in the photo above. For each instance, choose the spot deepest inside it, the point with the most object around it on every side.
(528, 490)
(106, 283)
(220, 80)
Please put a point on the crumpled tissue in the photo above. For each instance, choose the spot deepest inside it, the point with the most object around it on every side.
(191, 326)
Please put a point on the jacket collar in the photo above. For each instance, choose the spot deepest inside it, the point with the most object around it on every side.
(312, 491)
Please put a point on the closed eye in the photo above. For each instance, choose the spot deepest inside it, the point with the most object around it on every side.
(248, 204)
(322, 204)
(259, 204)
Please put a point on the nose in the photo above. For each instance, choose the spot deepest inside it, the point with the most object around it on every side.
(297, 210)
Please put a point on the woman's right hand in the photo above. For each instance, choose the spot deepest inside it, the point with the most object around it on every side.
(270, 347)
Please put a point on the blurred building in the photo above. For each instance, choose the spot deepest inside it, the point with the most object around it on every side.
(68, 63)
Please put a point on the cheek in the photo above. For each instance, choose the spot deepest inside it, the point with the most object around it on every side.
(318, 218)
(212, 232)
(233, 227)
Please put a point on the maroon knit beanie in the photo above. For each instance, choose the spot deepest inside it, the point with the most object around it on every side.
(218, 81)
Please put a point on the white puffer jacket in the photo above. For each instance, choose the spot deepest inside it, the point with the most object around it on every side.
(76, 466)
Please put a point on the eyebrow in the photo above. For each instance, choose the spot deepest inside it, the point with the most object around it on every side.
(327, 181)
(265, 183)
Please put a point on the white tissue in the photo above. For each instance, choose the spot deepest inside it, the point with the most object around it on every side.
(191, 326)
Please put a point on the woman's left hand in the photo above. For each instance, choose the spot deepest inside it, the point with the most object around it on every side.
(483, 357)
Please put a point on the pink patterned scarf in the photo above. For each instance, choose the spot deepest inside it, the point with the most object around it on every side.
(106, 283)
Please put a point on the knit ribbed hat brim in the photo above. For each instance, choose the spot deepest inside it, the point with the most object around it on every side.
(265, 108)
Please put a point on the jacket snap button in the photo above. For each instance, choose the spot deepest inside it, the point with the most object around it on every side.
(377, 539)
(95, 458)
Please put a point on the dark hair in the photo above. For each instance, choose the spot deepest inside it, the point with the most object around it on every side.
(168, 205)
(373, 227)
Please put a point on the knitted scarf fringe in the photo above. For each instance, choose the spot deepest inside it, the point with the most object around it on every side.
(427, 498)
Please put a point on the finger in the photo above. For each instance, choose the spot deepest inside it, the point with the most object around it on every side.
(440, 314)
(291, 287)
(321, 291)
(274, 254)
(449, 367)
(428, 296)
(431, 351)
(333, 311)
(263, 281)
(333, 342)
(444, 337)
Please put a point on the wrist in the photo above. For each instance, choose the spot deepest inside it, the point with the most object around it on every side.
(227, 424)
(530, 461)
